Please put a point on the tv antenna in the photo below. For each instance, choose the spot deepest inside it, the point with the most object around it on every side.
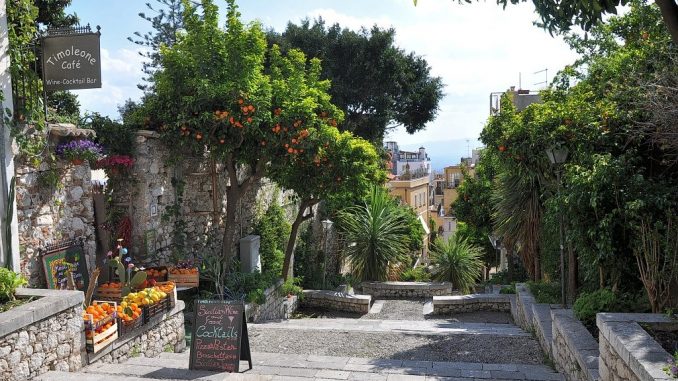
(546, 77)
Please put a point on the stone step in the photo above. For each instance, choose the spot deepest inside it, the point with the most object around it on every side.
(426, 327)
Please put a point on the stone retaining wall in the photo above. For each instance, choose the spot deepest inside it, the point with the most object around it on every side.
(575, 351)
(52, 210)
(443, 305)
(276, 306)
(627, 351)
(338, 301)
(43, 335)
(163, 334)
(561, 336)
(406, 290)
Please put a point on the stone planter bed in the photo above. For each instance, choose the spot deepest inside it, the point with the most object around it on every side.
(627, 351)
(337, 301)
(407, 290)
(471, 303)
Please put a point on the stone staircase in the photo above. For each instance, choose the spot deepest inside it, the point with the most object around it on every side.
(287, 367)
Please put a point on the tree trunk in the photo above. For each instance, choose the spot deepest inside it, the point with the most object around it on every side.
(537, 266)
(233, 196)
(509, 263)
(669, 10)
(288, 264)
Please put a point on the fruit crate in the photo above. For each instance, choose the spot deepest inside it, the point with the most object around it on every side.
(109, 293)
(172, 296)
(125, 327)
(185, 280)
(96, 341)
(161, 271)
(155, 309)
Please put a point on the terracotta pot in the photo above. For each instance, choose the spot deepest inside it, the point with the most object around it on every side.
(77, 161)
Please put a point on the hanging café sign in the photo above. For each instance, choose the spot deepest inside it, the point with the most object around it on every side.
(71, 59)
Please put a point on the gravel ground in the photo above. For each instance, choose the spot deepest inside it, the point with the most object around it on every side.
(409, 310)
(462, 348)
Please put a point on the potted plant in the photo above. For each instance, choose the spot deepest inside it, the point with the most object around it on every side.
(79, 151)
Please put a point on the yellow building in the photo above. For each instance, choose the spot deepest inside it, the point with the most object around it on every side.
(445, 192)
(415, 193)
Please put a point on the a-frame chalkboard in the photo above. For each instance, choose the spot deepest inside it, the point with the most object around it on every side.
(219, 339)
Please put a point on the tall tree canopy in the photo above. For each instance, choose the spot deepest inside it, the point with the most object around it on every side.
(376, 84)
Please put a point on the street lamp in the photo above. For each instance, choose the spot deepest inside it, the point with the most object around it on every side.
(327, 225)
(557, 156)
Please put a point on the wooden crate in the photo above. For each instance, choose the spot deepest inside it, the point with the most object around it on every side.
(171, 295)
(114, 294)
(99, 341)
(125, 327)
(161, 278)
(155, 309)
(185, 280)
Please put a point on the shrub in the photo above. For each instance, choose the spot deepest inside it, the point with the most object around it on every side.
(417, 274)
(588, 305)
(545, 292)
(510, 289)
(9, 282)
(256, 296)
(292, 287)
(274, 231)
(456, 261)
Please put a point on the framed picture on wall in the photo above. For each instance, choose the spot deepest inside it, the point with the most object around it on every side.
(64, 262)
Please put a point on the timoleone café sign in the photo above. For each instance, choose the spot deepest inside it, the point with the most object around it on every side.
(71, 62)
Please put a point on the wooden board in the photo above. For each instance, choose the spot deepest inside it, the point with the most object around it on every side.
(219, 339)
(62, 257)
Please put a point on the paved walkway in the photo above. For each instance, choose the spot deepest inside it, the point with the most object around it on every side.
(284, 367)
(299, 343)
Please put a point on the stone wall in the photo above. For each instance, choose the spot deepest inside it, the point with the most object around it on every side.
(443, 305)
(276, 307)
(338, 301)
(627, 351)
(575, 351)
(562, 337)
(165, 334)
(405, 290)
(43, 335)
(149, 195)
(51, 212)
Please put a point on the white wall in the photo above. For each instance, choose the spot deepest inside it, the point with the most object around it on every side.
(6, 155)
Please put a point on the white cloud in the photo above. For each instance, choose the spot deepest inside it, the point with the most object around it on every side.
(120, 72)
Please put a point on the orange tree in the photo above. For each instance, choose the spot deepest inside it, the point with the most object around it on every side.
(336, 167)
(213, 94)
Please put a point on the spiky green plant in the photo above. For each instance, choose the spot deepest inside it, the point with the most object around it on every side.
(456, 261)
(378, 232)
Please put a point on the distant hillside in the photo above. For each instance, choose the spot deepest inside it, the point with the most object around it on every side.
(444, 153)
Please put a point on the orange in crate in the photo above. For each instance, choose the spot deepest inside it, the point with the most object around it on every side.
(184, 277)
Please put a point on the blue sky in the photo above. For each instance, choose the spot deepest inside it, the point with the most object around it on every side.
(476, 48)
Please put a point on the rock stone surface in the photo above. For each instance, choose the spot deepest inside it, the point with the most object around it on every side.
(36, 349)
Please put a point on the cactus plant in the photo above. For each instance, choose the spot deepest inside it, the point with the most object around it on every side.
(130, 277)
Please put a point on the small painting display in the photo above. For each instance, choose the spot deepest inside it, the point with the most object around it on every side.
(62, 260)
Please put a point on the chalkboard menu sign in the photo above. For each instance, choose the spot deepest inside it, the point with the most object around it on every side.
(219, 338)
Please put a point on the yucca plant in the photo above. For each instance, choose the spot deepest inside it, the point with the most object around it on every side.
(456, 261)
(379, 234)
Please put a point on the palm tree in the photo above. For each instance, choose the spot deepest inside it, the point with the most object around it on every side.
(518, 211)
(379, 235)
(456, 261)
